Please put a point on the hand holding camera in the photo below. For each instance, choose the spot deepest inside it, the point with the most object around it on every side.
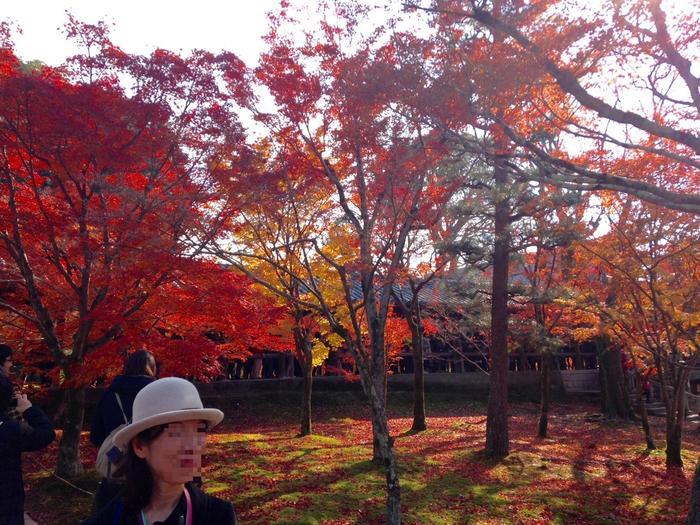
(22, 403)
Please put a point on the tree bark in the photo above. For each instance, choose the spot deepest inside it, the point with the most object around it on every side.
(307, 369)
(378, 450)
(545, 388)
(419, 422)
(306, 361)
(614, 399)
(674, 436)
(674, 429)
(69, 463)
(386, 457)
(497, 441)
(648, 436)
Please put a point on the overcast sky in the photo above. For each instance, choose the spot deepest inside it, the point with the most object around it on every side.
(142, 25)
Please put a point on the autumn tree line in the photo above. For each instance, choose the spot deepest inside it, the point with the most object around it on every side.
(203, 207)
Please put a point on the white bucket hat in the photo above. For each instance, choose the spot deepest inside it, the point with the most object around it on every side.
(165, 401)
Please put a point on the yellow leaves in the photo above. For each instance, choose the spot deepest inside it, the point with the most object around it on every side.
(581, 335)
(651, 264)
(334, 340)
(319, 352)
(328, 341)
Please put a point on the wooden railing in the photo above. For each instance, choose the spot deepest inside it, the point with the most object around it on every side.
(692, 401)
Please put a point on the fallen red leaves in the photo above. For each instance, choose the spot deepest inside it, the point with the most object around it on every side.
(586, 473)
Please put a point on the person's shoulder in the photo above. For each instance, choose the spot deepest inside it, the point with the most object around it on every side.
(130, 384)
(216, 509)
(106, 516)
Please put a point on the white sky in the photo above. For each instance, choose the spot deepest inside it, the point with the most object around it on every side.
(142, 25)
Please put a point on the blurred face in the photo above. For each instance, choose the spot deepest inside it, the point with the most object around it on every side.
(176, 455)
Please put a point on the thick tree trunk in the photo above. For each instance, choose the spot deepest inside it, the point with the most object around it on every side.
(614, 399)
(419, 423)
(497, 441)
(69, 464)
(545, 387)
(694, 510)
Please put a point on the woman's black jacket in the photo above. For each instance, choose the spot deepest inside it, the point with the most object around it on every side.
(108, 415)
(206, 510)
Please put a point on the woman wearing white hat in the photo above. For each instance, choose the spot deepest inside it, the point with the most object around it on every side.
(164, 443)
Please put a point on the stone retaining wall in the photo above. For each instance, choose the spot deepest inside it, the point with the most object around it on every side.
(521, 384)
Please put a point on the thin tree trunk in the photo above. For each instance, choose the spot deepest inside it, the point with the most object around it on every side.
(307, 370)
(378, 450)
(384, 442)
(545, 388)
(648, 436)
(383, 453)
(497, 441)
(674, 436)
(69, 463)
(674, 429)
(306, 361)
(419, 422)
(373, 386)
(412, 313)
(675, 418)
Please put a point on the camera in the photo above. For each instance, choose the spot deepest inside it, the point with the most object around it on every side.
(16, 392)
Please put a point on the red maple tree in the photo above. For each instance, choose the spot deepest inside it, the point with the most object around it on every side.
(103, 196)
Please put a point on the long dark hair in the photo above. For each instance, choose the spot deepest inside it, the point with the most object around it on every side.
(5, 353)
(139, 363)
(139, 478)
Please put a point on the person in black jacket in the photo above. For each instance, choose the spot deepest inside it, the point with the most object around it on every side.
(165, 442)
(115, 409)
(32, 432)
(139, 370)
